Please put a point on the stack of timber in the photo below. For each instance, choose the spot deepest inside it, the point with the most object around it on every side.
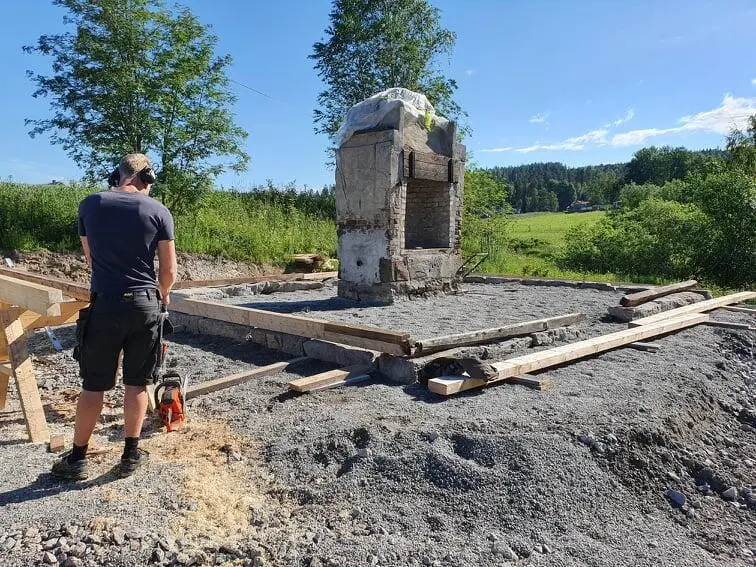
(640, 330)
(657, 300)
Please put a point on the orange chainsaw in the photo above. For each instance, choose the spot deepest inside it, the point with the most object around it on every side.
(169, 388)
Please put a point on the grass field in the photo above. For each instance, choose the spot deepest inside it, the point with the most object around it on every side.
(533, 244)
(269, 226)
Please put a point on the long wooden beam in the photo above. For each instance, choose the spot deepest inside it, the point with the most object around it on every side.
(373, 338)
(436, 344)
(32, 296)
(188, 284)
(559, 355)
(69, 312)
(238, 378)
(700, 307)
(634, 299)
(69, 288)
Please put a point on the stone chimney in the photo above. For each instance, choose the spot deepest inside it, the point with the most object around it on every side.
(398, 209)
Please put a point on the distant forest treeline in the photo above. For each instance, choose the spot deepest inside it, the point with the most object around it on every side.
(552, 186)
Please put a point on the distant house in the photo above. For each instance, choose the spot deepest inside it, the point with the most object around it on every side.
(579, 207)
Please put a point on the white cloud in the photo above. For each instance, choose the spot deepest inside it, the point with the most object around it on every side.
(471, 72)
(539, 118)
(626, 118)
(495, 150)
(594, 137)
(753, 82)
(732, 113)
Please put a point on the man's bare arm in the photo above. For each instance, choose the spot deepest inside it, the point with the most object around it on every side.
(87, 253)
(167, 270)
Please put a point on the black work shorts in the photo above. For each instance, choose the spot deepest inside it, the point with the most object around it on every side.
(116, 324)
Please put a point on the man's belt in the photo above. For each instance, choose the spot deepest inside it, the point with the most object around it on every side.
(126, 296)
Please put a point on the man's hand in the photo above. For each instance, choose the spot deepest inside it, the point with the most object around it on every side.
(85, 248)
(167, 269)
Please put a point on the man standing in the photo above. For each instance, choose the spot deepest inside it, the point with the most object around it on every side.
(120, 232)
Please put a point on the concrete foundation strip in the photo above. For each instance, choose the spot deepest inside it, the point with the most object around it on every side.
(574, 351)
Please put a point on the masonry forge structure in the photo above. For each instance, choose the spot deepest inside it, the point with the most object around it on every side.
(398, 208)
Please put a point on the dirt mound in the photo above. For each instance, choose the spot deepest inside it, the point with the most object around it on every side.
(190, 266)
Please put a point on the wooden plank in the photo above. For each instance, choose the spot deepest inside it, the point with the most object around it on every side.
(530, 381)
(5, 369)
(358, 379)
(633, 299)
(32, 296)
(188, 284)
(5, 372)
(57, 443)
(69, 313)
(280, 322)
(369, 344)
(559, 355)
(235, 379)
(69, 288)
(26, 383)
(650, 347)
(373, 333)
(377, 339)
(435, 344)
(328, 378)
(737, 309)
(730, 325)
(700, 307)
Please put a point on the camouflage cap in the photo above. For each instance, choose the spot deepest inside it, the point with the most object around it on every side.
(131, 164)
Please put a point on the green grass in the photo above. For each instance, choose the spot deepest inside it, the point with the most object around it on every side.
(260, 227)
(533, 243)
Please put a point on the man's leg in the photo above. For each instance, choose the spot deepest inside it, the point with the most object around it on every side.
(139, 359)
(98, 362)
(134, 409)
(88, 411)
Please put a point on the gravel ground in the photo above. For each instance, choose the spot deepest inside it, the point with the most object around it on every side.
(631, 458)
(480, 306)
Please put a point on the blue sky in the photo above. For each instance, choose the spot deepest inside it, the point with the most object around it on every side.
(578, 81)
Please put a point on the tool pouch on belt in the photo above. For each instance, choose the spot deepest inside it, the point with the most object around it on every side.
(81, 331)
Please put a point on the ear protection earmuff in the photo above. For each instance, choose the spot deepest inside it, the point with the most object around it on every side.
(114, 178)
(147, 175)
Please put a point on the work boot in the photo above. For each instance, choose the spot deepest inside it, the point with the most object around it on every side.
(66, 470)
(130, 463)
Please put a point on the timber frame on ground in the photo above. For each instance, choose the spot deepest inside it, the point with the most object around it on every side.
(32, 301)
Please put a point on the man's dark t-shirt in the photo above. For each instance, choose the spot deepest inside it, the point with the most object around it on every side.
(123, 230)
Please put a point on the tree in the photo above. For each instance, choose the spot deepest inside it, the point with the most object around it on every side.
(373, 45)
(137, 77)
(741, 147)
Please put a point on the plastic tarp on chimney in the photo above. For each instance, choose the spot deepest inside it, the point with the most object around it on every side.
(375, 111)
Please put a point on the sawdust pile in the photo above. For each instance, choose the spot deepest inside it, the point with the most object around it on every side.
(220, 484)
